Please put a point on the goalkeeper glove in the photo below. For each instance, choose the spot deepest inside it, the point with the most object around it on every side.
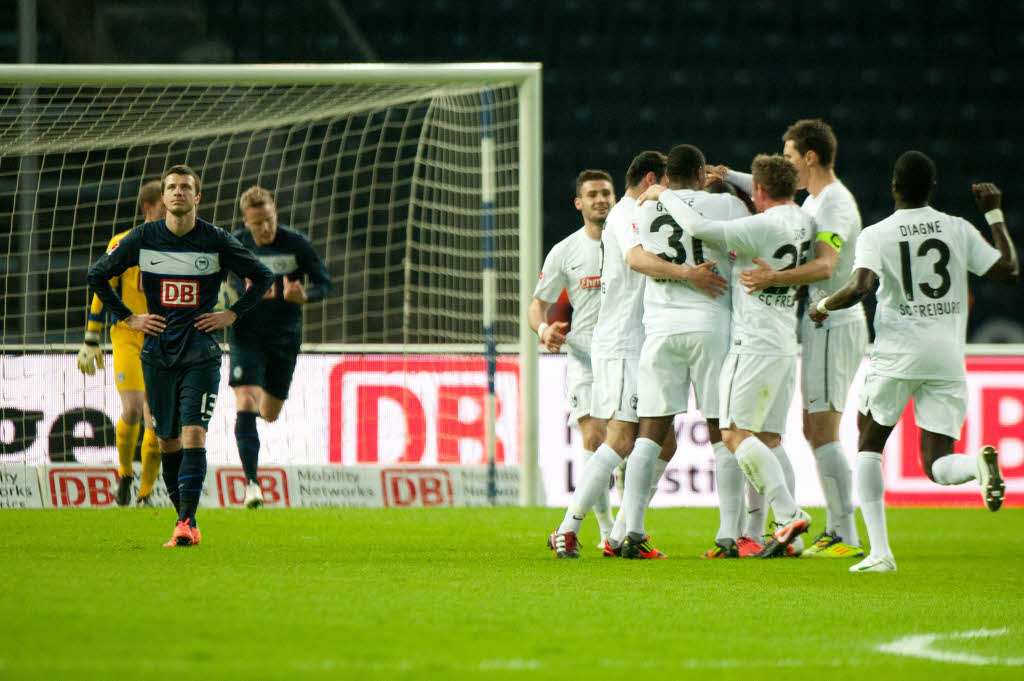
(90, 354)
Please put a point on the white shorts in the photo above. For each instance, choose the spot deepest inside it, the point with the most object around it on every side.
(756, 391)
(669, 364)
(829, 362)
(940, 406)
(614, 389)
(579, 379)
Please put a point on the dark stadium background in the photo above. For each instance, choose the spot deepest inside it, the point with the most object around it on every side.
(621, 76)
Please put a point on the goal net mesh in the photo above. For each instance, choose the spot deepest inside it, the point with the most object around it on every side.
(384, 179)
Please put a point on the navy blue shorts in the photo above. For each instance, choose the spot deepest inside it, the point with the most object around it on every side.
(267, 365)
(181, 396)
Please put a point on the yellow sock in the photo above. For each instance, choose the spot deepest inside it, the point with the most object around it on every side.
(127, 437)
(150, 462)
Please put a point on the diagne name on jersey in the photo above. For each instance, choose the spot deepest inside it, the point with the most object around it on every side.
(923, 228)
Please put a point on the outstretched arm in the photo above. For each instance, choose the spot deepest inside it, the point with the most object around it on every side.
(701, 277)
(826, 255)
(860, 284)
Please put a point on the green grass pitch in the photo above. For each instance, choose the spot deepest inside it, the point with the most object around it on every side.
(474, 593)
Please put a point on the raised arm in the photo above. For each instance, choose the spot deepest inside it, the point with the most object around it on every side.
(1006, 270)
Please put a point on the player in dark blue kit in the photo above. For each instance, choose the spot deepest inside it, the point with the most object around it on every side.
(181, 258)
(265, 344)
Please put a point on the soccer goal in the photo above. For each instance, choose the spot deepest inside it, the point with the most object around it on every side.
(419, 186)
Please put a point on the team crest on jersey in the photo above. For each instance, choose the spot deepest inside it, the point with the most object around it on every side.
(179, 292)
(587, 283)
(202, 263)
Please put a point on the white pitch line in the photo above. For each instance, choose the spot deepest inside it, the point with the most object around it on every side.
(920, 645)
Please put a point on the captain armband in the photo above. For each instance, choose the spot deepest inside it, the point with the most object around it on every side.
(832, 239)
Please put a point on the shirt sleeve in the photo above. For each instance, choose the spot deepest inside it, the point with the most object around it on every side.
(839, 218)
(981, 255)
(744, 181)
(317, 271)
(124, 254)
(867, 256)
(245, 264)
(552, 278)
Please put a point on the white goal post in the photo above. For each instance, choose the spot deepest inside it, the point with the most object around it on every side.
(413, 179)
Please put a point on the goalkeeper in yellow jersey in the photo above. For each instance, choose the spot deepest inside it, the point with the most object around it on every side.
(127, 368)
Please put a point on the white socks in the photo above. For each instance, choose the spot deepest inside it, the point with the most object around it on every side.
(757, 513)
(787, 468)
(954, 469)
(730, 482)
(639, 475)
(834, 476)
(603, 505)
(592, 484)
(764, 471)
(659, 469)
(871, 490)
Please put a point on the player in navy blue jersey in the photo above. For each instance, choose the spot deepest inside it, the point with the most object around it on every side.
(181, 258)
(265, 344)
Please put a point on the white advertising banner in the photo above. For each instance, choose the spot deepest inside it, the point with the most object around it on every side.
(80, 486)
(347, 414)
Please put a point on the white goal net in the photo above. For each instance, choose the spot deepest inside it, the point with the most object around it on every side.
(383, 168)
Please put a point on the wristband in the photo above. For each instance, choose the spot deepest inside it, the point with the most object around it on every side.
(540, 330)
(993, 216)
(92, 337)
(821, 306)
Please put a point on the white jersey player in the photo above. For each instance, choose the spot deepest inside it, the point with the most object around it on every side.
(758, 377)
(921, 258)
(688, 331)
(831, 352)
(618, 337)
(574, 264)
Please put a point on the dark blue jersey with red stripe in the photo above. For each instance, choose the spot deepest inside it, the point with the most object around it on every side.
(181, 278)
(289, 255)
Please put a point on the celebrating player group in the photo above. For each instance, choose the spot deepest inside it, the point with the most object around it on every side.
(696, 276)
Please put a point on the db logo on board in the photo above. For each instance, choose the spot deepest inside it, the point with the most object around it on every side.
(82, 487)
(995, 416)
(179, 292)
(420, 487)
(420, 410)
(273, 482)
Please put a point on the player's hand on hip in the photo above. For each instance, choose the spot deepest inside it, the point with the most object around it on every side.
(554, 336)
(707, 280)
(211, 321)
(90, 358)
(293, 291)
(758, 278)
(652, 193)
(150, 324)
(987, 196)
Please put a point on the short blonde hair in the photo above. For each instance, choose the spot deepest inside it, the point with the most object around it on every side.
(776, 174)
(255, 196)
